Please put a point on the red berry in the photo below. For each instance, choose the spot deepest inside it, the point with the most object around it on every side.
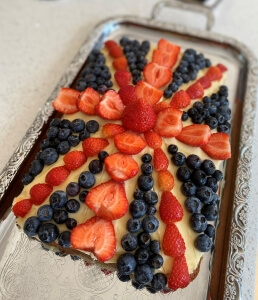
(110, 43)
(195, 90)
(222, 68)
(92, 146)
(156, 75)
(115, 51)
(21, 208)
(165, 180)
(195, 135)
(39, 193)
(148, 92)
(153, 139)
(120, 63)
(214, 73)
(160, 106)
(165, 59)
(169, 47)
(127, 94)
(173, 243)
(160, 160)
(109, 130)
(74, 160)
(123, 78)
(180, 100)
(205, 82)
(179, 277)
(88, 100)
(129, 142)
(170, 209)
(66, 101)
(57, 175)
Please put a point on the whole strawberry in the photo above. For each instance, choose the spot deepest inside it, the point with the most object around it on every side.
(170, 209)
(21, 208)
(39, 193)
(173, 243)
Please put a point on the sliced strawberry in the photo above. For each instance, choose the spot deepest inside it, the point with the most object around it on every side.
(173, 243)
(57, 175)
(218, 146)
(168, 122)
(120, 63)
(165, 180)
(121, 167)
(170, 209)
(123, 78)
(156, 75)
(87, 101)
(195, 135)
(165, 59)
(160, 160)
(129, 142)
(115, 51)
(195, 90)
(180, 99)
(66, 101)
(39, 193)
(110, 106)
(108, 200)
(169, 47)
(96, 235)
(179, 277)
(214, 73)
(153, 139)
(138, 116)
(110, 43)
(222, 68)
(109, 130)
(21, 208)
(127, 94)
(205, 82)
(74, 160)
(92, 146)
(147, 92)
(160, 106)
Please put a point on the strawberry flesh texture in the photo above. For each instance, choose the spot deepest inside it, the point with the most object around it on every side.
(74, 160)
(195, 135)
(66, 101)
(179, 277)
(165, 59)
(165, 180)
(195, 90)
(87, 101)
(168, 47)
(57, 175)
(173, 243)
(92, 146)
(153, 140)
(39, 193)
(108, 200)
(180, 100)
(160, 160)
(123, 78)
(156, 75)
(21, 208)
(170, 209)
(160, 106)
(109, 130)
(129, 142)
(127, 94)
(147, 92)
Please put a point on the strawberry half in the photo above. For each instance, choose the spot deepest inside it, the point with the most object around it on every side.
(156, 75)
(109, 130)
(39, 193)
(205, 82)
(160, 160)
(195, 90)
(173, 243)
(74, 160)
(218, 146)
(214, 73)
(147, 92)
(129, 142)
(179, 277)
(164, 59)
(165, 180)
(21, 208)
(57, 175)
(127, 94)
(196, 135)
(96, 235)
(92, 146)
(87, 101)
(170, 209)
(168, 122)
(110, 106)
(153, 139)
(180, 100)
(120, 63)
(123, 78)
(160, 106)
(108, 200)
(166, 46)
(66, 101)
(121, 167)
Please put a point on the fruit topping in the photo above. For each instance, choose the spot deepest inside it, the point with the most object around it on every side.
(60, 216)
(126, 264)
(88, 100)
(92, 146)
(120, 63)
(160, 106)
(222, 68)
(127, 94)
(178, 159)
(57, 175)
(193, 204)
(150, 224)
(72, 206)
(123, 78)
(66, 101)
(148, 92)
(180, 100)
(203, 243)
(143, 274)
(96, 235)
(170, 209)
(179, 277)
(31, 226)
(157, 75)
(195, 90)
(133, 225)
(48, 232)
(21, 208)
(45, 213)
(214, 73)
(86, 180)
(160, 160)
(198, 222)
(115, 51)
(92, 126)
(195, 135)
(129, 242)
(64, 239)
(205, 82)
(95, 166)
(166, 46)
(129, 142)
(165, 180)
(108, 200)
(159, 281)
(137, 208)
(153, 140)
(173, 244)
(145, 182)
(165, 59)
(74, 160)
(39, 193)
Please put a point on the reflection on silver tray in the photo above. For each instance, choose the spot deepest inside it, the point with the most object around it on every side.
(236, 255)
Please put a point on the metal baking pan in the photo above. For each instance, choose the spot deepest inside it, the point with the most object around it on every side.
(222, 274)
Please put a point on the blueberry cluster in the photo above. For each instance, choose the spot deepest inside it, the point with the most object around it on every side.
(213, 111)
(135, 54)
(142, 223)
(200, 185)
(96, 74)
(187, 70)
(60, 137)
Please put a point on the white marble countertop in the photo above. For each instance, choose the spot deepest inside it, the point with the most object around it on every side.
(38, 39)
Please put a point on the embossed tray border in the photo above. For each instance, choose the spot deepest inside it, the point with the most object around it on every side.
(236, 255)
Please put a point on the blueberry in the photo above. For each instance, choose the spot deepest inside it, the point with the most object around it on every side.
(212, 183)
(198, 105)
(193, 204)
(52, 132)
(92, 126)
(215, 199)
(150, 197)
(126, 264)
(212, 122)
(83, 135)
(83, 195)
(70, 223)
(146, 158)
(223, 128)
(198, 177)
(212, 109)
(210, 211)
(208, 166)
(141, 256)
(167, 93)
(155, 246)
(64, 147)
(143, 274)
(218, 175)
(54, 143)
(95, 166)
(72, 206)
(60, 216)
(27, 179)
(184, 116)
(145, 182)
(151, 210)
(48, 232)
(137, 285)
(173, 87)
(102, 155)
(144, 239)
(146, 168)
(220, 118)
(86, 179)
(203, 243)
(58, 199)
(49, 156)
(64, 133)
(123, 278)
(133, 225)
(72, 189)
(129, 242)
(159, 281)
(64, 239)
(31, 226)
(210, 230)
(183, 174)
(172, 149)
(138, 194)
(102, 89)
(137, 208)
(81, 85)
(198, 118)
(150, 224)
(225, 111)
(36, 167)
(186, 78)
(178, 159)
(155, 261)
(77, 125)
(45, 213)
(188, 188)
(205, 194)
(198, 222)
(192, 111)
(74, 257)
(193, 161)
(55, 122)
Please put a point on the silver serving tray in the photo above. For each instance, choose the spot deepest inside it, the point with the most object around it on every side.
(225, 275)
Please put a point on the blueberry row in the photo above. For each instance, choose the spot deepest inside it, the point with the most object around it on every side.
(187, 70)
(135, 54)
(96, 74)
(200, 185)
(60, 137)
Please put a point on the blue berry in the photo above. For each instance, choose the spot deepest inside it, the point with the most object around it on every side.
(212, 122)
(64, 239)
(218, 175)
(225, 111)
(77, 125)
(95, 166)
(151, 210)
(31, 226)
(150, 197)
(146, 168)
(70, 223)
(49, 156)
(167, 93)
(102, 155)
(45, 213)
(210, 211)
(159, 281)
(144, 239)
(188, 188)
(150, 224)
(143, 274)
(155, 261)
(65, 123)
(58, 199)
(192, 111)
(64, 133)
(155, 246)
(208, 166)
(44, 144)
(92, 126)
(198, 177)
(178, 159)
(48, 232)
(198, 118)
(203, 243)
(138, 194)
(123, 278)
(86, 179)
(52, 132)
(137, 208)
(72, 206)
(198, 222)
(220, 118)
(198, 105)
(72, 189)
(183, 174)
(81, 85)
(172, 149)
(126, 264)
(64, 147)
(60, 216)
(133, 225)
(27, 179)
(193, 204)
(83, 195)
(83, 135)
(141, 256)
(212, 183)
(210, 231)
(145, 182)
(205, 194)
(193, 161)
(223, 128)
(36, 167)
(54, 143)
(55, 122)
(146, 158)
